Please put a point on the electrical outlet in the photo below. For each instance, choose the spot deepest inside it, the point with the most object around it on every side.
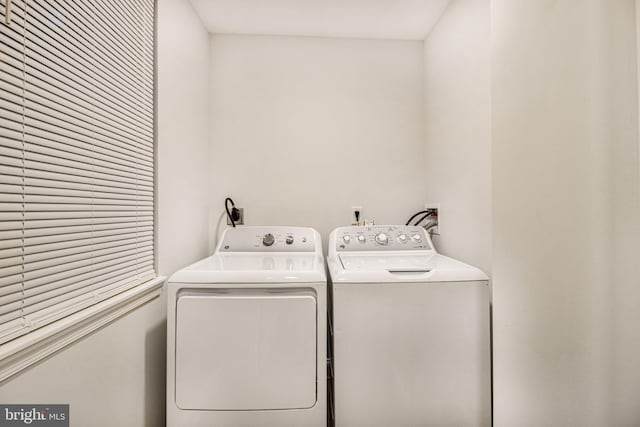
(240, 220)
(437, 229)
(356, 218)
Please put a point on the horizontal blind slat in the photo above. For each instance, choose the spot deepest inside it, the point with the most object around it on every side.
(74, 229)
(36, 277)
(57, 252)
(7, 281)
(99, 155)
(11, 123)
(11, 270)
(9, 260)
(67, 244)
(75, 178)
(96, 236)
(36, 304)
(11, 326)
(75, 222)
(11, 303)
(9, 253)
(35, 167)
(81, 193)
(49, 215)
(10, 235)
(45, 186)
(40, 265)
(59, 104)
(10, 225)
(47, 155)
(44, 130)
(11, 82)
(54, 308)
(42, 117)
(70, 276)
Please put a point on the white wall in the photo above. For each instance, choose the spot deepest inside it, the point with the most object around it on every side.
(304, 128)
(116, 376)
(565, 214)
(457, 117)
(113, 377)
(625, 215)
(183, 143)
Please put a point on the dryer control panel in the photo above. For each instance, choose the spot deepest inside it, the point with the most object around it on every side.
(382, 238)
(269, 239)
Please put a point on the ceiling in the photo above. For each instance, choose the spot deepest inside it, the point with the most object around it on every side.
(377, 19)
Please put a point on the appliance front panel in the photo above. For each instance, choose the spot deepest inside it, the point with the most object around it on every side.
(412, 354)
(245, 350)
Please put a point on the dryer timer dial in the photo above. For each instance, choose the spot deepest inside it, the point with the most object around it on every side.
(268, 239)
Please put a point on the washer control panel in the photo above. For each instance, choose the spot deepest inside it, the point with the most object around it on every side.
(268, 239)
(382, 238)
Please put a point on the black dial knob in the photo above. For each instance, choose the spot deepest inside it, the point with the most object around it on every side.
(268, 239)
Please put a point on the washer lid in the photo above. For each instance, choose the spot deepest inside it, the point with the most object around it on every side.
(387, 262)
(418, 266)
(254, 268)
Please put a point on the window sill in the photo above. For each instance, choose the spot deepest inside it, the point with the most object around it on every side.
(29, 349)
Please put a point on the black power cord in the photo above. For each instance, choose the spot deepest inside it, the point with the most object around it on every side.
(428, 213)
(234, 214)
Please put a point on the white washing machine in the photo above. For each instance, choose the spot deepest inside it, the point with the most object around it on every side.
(411, 332)
(246, 333)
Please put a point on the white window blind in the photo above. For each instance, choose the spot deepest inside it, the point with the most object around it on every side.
(77, 156)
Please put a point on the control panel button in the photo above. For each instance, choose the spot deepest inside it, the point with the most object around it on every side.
(416, 238)
(362, 239)
(289, 240)
(346, 238)
(402, 238)
(382, 239)
(268, 239)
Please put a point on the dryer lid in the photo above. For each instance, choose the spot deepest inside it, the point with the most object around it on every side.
(254, 268)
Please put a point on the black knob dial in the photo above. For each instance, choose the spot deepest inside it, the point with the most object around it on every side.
(268, 239)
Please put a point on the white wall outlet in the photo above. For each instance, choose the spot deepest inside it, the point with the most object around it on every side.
(357, 215)
(437, 229)
(240, 221)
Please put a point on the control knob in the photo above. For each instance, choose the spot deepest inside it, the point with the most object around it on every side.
(289, 240)
(268, 239)
(361, 238)
(402, 238)
(346, 238)
(382, 239)
(416, 238)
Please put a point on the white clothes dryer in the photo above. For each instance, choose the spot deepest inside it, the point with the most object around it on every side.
(411, 332)
(246, 333)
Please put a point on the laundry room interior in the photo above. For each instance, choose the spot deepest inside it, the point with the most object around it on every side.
(519, 121)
